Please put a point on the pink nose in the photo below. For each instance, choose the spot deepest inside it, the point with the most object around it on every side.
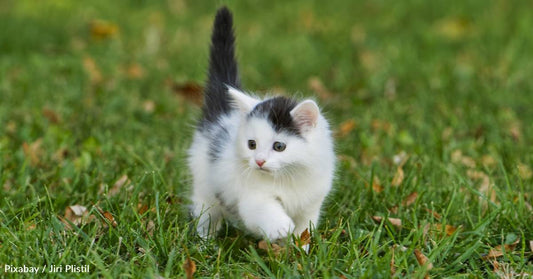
(260, 163)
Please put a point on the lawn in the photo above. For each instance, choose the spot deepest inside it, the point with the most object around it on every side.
(431, 104)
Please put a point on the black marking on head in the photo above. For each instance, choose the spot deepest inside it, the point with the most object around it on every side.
(277, 111)
(217, 140)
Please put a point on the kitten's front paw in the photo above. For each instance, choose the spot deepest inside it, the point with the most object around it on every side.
(279, 228)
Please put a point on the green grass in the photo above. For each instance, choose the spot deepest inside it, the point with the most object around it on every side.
(430, 79)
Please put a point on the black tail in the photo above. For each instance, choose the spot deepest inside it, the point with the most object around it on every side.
(222, 67)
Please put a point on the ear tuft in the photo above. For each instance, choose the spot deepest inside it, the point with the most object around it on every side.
(241, 101)
(305, 114)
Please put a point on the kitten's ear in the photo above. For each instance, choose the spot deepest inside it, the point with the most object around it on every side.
(305, 114)
(241, 101)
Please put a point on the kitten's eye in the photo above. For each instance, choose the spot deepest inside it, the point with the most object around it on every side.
(251, 144)
(279, 146)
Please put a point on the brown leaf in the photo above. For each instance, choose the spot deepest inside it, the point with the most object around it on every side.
(77, 215)
(316, 85)
(392, 266)
(423, 260)
(398, 177)
(437, 228)
(524, 171)
(394, 221)
(190, 91)
(346, 127)
(134, 71)
(51, 115)
(101, 29)
(376, 185)
(95, 76)
(110, 218)
(122, 182)
(33, 151)
(305, 238)
(435, 214)
(148, 106)
(458, 157)
(410, 199)
(275, 248)
(150, 226)
(190, 268)
(142, 208)
(488, 161)
(500, 250)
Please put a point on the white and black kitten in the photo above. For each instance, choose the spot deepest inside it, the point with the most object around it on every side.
(265, 165)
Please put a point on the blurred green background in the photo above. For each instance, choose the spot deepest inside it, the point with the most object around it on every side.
(95, 90)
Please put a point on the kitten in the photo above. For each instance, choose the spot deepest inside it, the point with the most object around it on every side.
(265, 165)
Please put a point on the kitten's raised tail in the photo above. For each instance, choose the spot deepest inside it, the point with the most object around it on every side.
(222, 67)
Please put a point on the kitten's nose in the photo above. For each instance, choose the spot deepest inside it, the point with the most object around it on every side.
(260, 163)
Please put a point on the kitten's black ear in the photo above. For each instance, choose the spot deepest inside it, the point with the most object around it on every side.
(305, 114)
(241, 101)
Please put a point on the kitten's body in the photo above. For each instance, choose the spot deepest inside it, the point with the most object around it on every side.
(266, 165)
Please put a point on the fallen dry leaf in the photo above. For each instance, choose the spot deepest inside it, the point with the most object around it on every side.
(488, 161)
(142, 208)
(394, 221)
(305, 238)
(398, 177)
(77, 215)
(134, 71)
(316, 85)
(275, 248)
(410, 199)
(95, 76)
(435, 214)
(423, 260)
(122, 182)
(376, 185)
(190, 268)
(110, 218)
(148, 106)
(531, 245)
(190, 91)
(458, 157)
(101, 29)
(437, 228)
(33, 151)
(515, 130)
(524, 171)
(150, 226)
(51, 115)
(346, 127)
(500, 250)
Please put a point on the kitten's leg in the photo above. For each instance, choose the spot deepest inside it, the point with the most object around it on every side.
(209, 217)
(307, 219)
(265, 217)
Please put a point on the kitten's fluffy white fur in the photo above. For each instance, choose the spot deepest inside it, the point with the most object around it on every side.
(269, 193)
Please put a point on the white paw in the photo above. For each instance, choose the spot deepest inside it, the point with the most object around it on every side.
(279, 228)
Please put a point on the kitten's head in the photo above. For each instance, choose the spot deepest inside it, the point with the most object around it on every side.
(277, 134)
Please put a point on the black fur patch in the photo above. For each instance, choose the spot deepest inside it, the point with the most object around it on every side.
(277, 111)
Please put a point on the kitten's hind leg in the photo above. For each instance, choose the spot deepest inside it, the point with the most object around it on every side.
(209, 218)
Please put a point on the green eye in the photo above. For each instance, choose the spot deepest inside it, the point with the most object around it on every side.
(279, 146)
(251, 144)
